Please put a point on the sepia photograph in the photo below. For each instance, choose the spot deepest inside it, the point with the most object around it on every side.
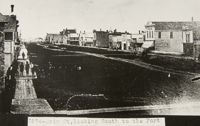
(98, 61)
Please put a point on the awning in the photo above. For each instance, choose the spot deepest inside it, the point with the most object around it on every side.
(147, 44)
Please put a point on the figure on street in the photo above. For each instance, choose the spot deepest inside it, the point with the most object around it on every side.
(21, 68)
(31, 66)
(23, 55)
(27, 68)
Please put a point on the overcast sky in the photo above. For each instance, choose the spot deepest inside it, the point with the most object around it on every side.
(38, 17)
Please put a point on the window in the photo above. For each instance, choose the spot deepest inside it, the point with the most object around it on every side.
(8, 36)
(171, 35)
(159, 34)
(147, 34)
(152, 33)
(187, 38)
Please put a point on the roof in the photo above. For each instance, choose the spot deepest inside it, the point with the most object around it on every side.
(52, 34)
(4, 18)
(95, 31)
(190, 25)
(68, 31)
(73, 35)
(87, 34)
(175, 25)
(10, 22)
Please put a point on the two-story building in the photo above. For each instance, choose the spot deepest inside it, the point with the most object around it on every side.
(101, 39)
(56, 39)
(120, 40)
(137, 40)
(72, 36)
(170, 37)
(86, 39)
(8, 40)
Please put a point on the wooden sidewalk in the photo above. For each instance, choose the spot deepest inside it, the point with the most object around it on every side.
(25, 100)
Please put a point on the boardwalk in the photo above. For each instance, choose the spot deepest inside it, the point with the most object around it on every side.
(24, 89)
(25, 99)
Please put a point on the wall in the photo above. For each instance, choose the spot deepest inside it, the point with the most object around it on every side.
(196, 51)
(86, 39)
(188, 49)
(191, 36)
(1, 61)
(102, 39)
(165, 43)
(54, 38)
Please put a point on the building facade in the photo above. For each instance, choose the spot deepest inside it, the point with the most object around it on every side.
(8, 40)
(120, 40)
(86, 39)
(170, 36)
(101, 39)
(71, 35)
(56, 39)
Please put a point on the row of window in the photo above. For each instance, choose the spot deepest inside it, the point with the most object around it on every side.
(160, 35)
(7, 35)
(149, 34)
(171, 36)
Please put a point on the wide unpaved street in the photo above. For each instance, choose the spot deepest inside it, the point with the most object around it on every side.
(99, 82)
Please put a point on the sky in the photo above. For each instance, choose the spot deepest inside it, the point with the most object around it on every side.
(39, 17)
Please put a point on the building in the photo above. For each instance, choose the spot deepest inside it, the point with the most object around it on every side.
(172, 37)
(101, 39)
(73, 39)
(115, 40)
(71, 35)
(138, 38)
(56, 39)
(86, 39)
(120, 40)
(8, 40)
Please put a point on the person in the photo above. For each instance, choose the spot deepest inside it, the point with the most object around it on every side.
(21, 68)
(9, 72)
(27, 68)
(23, 55)
(31, 66)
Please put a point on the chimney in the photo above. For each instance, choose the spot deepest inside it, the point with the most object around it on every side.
(12, 8)
(192, 19)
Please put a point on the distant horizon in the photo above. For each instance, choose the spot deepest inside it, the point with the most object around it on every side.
(36, 19)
